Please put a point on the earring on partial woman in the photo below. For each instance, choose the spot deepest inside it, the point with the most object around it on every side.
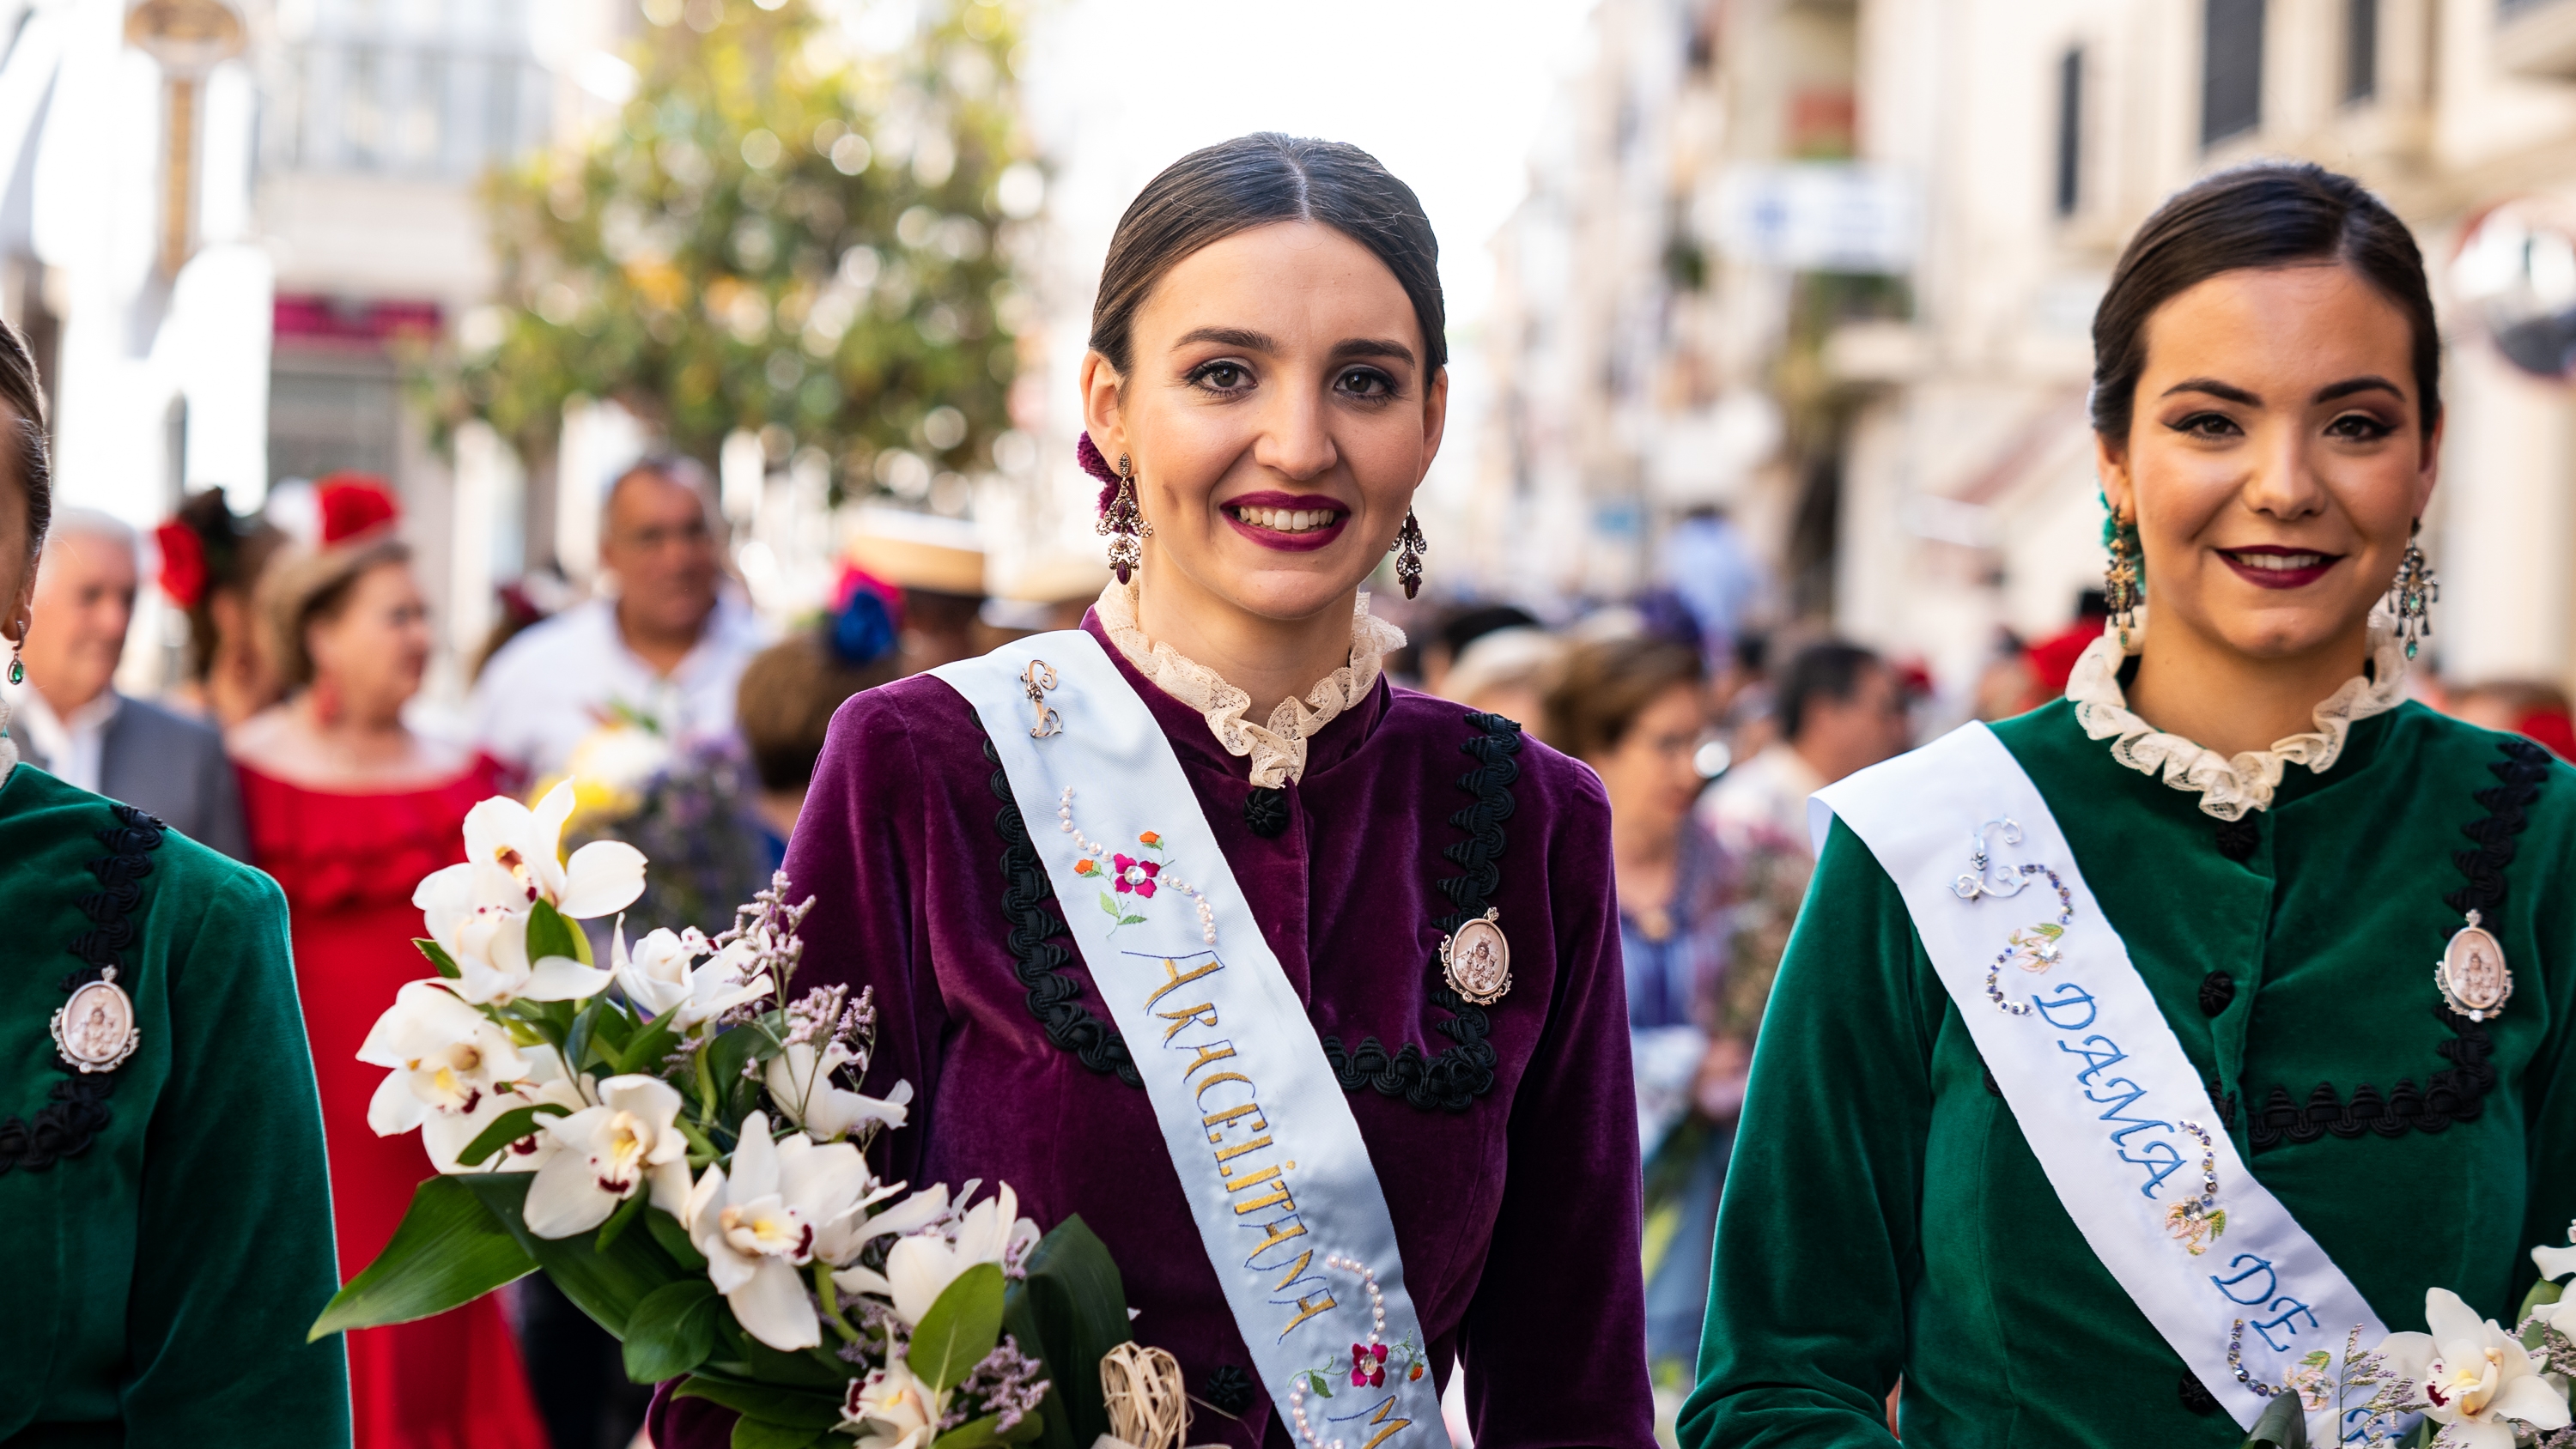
(1123, 523)
(1408, 548)
(2411, 596)
(2122, 581)
(17, 659)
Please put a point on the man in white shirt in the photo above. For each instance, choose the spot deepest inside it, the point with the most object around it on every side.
(73, 722)
(665, 652)
(1840, 710)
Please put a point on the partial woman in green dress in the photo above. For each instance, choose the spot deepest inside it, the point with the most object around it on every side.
(2284, 841)
(165, 1218)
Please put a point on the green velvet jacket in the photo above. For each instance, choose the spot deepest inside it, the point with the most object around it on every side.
(1884, 1216)
(156, 1284)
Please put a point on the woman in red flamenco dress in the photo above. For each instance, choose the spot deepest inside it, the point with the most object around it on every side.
(348, 810)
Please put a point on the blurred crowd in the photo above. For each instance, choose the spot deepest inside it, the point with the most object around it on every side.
(293, 738)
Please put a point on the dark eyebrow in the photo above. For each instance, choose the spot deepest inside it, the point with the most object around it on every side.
(2212, 386)
(2351, 385)
(1230, 337)
(1374, 347)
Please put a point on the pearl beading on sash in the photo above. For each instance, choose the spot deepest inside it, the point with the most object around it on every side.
(1377, 1335)
(2046, 952)
(1166, 880)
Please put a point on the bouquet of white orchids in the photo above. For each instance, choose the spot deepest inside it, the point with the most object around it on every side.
(2467, 1383)
(686, 1157)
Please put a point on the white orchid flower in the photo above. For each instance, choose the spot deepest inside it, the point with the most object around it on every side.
(800, 1082)
(446, 1136)
(2472, 1378)
(891, 1408)
(759, 1226)
(923, 1210)
(527, 845)
(920, 1267)
(605, 1153)
(487, 938)
(447, 1058)
(2556, 1263)
(656, 975)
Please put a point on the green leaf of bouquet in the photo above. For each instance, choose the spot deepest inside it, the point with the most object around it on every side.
(2284, 1425)
(605, 1283)
(672, 1330)
(618, 1222)
(811, 1369)
(438, 957)
(577, 1050)
(674, 1239)
(759, 1434)
(551, 934)
(1068, 1311)
(644, 1050)
(981, 1433)
(765, 1402)
(507, 1128)
(960, 1329)
(1031, 1425)
(448, 1251)
(2542, 1294)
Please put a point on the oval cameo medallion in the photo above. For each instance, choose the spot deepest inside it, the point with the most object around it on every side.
(1479, 960)
(2472, 974)
(95, 1029)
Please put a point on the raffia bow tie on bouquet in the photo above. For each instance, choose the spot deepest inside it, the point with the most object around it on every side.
(2466, 1384)
(688, 1164)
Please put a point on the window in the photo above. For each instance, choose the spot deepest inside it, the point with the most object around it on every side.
(2231, 68)
(356, 91)
(2360, 50)
(2070, 130)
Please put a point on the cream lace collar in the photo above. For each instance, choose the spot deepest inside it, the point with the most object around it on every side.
(2229, 787)
(1278, 750)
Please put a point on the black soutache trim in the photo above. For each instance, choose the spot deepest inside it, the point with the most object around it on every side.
(1464, 1070)
(2455, 1093)
(76, 1108)
(1055, 999)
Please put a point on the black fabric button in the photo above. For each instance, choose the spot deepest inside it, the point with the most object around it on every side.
(1227, 1389)
(2216, 990)
(1265, 811)
(2196, 1395)
(2239, 839)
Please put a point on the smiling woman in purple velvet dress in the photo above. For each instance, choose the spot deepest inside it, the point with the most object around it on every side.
(1091, 874)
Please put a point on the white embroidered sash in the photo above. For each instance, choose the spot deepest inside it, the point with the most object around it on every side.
(2111, 1106)
(1279, 1182)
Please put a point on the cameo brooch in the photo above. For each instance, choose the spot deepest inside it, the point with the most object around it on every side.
(2472, 973)
(95, 1030)
(1477, 961)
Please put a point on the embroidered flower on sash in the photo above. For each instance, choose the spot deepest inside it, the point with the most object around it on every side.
(1137, 875)
(1368, 1365)
(2195, 1225)
(2035, 947)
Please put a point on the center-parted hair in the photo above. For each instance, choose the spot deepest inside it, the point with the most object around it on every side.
(2270, 214)
(1253, 181)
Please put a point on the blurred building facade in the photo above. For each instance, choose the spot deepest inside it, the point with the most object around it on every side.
(1831, 265)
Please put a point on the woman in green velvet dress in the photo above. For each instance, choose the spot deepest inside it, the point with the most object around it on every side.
(2285, 844)
(165, 1220)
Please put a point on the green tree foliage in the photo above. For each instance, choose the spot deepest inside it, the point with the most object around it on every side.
(785, 231)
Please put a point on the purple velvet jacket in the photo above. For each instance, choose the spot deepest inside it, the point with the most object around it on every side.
(1516, 1202)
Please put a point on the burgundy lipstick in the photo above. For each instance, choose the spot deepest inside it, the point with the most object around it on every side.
(2273, 566)
(1290, 522)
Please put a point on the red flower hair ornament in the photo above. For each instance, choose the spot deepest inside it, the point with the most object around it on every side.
(183, 563)
(352, 504)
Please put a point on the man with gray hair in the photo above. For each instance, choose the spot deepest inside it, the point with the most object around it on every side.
(665, 652)
(74, 723)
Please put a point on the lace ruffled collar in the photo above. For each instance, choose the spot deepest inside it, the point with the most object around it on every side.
(1277, 750)
(2229, 787)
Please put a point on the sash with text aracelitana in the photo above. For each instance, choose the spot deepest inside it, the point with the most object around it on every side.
(1279, 1182)
(2092, 1071)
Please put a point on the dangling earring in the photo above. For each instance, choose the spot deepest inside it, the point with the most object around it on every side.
(2411, 596)
(1408, 548)
(2123, 581)
(1124, 524)
(17, 659)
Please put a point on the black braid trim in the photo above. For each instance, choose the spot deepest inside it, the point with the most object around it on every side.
(76, 1107)
(1464, 1070)
(2455, 1093)
(1055, 999)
